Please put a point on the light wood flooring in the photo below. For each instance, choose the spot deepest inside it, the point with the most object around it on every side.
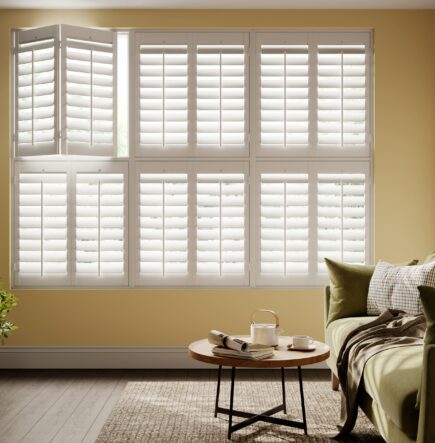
(66, 406)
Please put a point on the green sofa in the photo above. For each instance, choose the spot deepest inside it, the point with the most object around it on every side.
(391, 382)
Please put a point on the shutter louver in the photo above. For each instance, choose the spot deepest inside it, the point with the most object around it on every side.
(342, 95)
(36, 91)
(220, 96)
(220, 225)
(42, 228)
(284, 224)
(89, 108)
(100, 228)
(284, 96)
(163, 102)
(341, 220)
(163, 227)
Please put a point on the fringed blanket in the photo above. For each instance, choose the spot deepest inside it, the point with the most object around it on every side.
(391, 329)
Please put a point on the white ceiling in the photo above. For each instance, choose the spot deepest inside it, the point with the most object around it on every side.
(217, 4)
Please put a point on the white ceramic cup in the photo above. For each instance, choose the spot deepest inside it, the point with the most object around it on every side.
(265, 334)
(302, 341)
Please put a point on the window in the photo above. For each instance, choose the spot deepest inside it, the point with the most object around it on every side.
(153, 159)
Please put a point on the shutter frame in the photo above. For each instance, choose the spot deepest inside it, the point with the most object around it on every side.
(225, 168)
(99, 171)
(94, 40)
(27, 37)
(26, 279)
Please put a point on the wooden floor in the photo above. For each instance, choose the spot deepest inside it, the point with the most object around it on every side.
(71, 406)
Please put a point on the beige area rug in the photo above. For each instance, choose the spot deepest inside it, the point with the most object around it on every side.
(183, 411)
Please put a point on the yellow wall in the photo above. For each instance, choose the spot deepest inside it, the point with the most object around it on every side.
(404, 219)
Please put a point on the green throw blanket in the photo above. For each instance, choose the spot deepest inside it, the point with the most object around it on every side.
(391, 329)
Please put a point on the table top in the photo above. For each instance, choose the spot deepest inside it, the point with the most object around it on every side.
(283, 358)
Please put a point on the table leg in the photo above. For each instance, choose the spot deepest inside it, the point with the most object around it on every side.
(233, 374)
(301, 388)
(283, 390)
(218, 390)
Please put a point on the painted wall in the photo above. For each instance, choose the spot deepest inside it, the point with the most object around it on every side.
(404, 218)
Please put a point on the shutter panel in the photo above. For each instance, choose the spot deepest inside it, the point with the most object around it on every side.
(100, 228)
(163, 101)
(342, 95)
(220, 96)
(36, 58)
(342, 218)
(284, 224)
(89, 91)
(42, 229)
(163, 227)
(284, 96)
(221, 227)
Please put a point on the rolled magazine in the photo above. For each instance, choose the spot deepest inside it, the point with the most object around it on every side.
(237, 344)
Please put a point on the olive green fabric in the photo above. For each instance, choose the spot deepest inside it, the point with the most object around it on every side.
(426, 423)
(430, 258)
(336, 333)
(427, 296)
(349, 289)
(392, 378)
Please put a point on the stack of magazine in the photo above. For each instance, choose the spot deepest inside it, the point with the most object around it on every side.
(227, 346)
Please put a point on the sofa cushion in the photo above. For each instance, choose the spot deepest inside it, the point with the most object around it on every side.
(338, 330)
(396, 287)
(430, 258)
(349, 289)
(392, 379)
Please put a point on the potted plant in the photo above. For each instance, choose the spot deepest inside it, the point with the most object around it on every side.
(7, 302)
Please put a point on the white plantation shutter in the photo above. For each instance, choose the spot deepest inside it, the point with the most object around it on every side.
(89, 91)
(221, 98)
(162, 94)
(342, 95)
(221, 228)
(36, 125)
(163, 228)
(41, 230)
(100, 222)
(284, 227)
(284, 98)
(341, 218)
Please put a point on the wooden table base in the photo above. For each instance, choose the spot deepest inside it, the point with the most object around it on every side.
(265, 416)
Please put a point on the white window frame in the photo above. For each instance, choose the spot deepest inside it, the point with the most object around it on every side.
(312, 168)
(94, 37)
(191, 169)
(191, 39)
(23, 37)
(312, 39)
(325, 159)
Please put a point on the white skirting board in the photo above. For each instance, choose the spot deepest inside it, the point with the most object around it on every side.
(103, 357)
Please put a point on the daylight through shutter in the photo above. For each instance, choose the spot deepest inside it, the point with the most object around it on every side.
(89, 93)
(284, 99)
(163, 227)
(163, 99)
(36, 91)
(284, 224)
(342, 95)
(220, 96)
(42, 228)
(341, 210)
(100, 228)
(220, 225)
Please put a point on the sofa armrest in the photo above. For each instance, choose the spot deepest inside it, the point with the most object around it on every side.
(327, 301)
(426, 422)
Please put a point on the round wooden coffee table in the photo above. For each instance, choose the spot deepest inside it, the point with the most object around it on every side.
(202, 350)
